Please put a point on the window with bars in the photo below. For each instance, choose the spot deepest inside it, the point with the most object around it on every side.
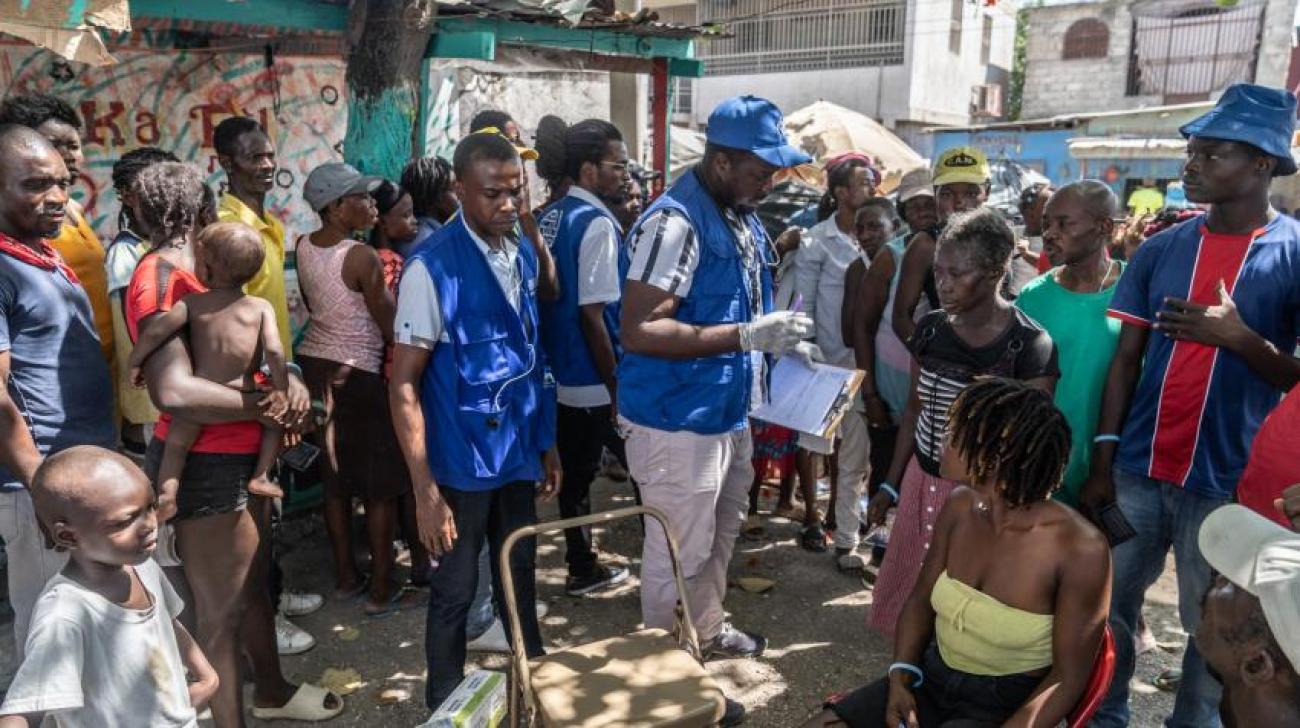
(770, 36)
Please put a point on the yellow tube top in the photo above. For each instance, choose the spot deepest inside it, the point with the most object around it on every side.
(980, 635)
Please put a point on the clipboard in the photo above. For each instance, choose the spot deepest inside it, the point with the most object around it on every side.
(810, 400)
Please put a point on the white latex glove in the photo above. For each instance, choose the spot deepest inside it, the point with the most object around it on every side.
(807, 353)
(776, 332)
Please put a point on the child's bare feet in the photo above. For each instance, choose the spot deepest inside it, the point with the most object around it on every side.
(264, 487)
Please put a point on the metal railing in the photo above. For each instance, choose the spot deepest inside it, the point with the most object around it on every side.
(771, 36)
(1188, 56)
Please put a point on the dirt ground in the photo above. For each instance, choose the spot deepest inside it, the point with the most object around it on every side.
(814, 620)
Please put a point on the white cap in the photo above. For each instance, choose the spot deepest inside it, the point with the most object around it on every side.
(1263, 558)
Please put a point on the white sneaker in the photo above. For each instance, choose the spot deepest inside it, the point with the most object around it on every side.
(493, 640)
(290, 639)
(294, 604)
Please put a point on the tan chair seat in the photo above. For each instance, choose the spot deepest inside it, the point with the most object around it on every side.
(641, 679)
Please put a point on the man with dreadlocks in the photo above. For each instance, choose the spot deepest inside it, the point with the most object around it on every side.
(1009, 610)
(58, 393)
(124, 253)
(976, 333)
(580, 330)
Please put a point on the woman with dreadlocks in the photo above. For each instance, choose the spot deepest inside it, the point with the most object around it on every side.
(975, 333)
(1007, 616)
(125, 252)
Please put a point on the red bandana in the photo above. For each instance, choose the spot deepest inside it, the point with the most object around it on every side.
(47, 258)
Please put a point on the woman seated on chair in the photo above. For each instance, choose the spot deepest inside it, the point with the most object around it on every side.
(1008, 613)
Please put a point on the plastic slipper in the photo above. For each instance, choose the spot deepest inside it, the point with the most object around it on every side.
(754, 530)
(402, 600)
(307, 704)
(791, 513)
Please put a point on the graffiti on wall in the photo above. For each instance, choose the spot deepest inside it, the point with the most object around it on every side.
(174, 99)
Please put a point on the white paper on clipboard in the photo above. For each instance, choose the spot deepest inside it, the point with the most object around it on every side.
(808, 399)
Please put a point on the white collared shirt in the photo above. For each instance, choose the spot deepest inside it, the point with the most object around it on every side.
(419, 313)
(597, 283)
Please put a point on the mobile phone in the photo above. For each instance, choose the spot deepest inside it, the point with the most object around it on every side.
(1114, 525)
(300, 457)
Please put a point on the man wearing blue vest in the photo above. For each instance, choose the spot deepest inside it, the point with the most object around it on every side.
(695, 328)
(580, 331)
(471, 407)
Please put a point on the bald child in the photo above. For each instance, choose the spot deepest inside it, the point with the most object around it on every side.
(230, 336)
(104, 647)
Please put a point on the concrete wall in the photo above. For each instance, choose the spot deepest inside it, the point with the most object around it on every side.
(872, 91)
(1054, 86)
(931, 87)
(1045, 151)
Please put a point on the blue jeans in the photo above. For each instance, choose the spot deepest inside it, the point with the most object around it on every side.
(1164, 515)
(480, 516)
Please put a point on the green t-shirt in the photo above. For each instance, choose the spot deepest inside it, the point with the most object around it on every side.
(1145, 200)
(1085, 342)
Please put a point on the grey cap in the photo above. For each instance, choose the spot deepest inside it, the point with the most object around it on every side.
(333, 180)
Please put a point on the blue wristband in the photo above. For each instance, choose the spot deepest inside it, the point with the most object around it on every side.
(293, 368)
(1105, 438)
(908, 667)
(893, 493)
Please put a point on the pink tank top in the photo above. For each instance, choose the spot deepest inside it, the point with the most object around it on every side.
(341, 329)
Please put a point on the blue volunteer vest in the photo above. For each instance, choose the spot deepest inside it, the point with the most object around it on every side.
(563, 226)
(489, 412)
(708, 395)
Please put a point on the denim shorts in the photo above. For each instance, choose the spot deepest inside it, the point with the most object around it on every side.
(211, 483)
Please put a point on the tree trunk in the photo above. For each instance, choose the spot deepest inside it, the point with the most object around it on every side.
(386, 43)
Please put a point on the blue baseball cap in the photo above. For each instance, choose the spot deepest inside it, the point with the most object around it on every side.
(1260, 116)
(751, 124)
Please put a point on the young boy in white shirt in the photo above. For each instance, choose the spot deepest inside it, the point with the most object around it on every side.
(105, 647)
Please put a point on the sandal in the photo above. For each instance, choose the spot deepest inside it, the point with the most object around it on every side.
(402, 600)
(753, 530)
(790, 513)
(309, 703)
(1168, 681)
(813, 538)
(356, 592)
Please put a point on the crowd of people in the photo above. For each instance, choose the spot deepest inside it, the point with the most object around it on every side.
(1019, 460)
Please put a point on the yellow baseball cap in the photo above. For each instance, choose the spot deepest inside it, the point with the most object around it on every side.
(528, 154)
(962, 165)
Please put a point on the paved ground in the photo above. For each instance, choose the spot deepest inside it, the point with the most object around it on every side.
(814, 619)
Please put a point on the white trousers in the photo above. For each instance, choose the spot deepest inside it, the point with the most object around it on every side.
(855, 464)
(30, 564)
(702, 483)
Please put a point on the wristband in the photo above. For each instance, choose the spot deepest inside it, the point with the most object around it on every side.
(1105, 438)
(893, 493)
(293, 368)
(908, 667)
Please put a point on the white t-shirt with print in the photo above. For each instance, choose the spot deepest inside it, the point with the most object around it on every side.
(91, 663)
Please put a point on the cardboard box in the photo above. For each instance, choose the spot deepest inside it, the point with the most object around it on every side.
(478, 702)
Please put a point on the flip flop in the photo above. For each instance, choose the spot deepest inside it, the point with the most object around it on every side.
(307, 704)
(790, 513)
(813, 538)
(402, 600)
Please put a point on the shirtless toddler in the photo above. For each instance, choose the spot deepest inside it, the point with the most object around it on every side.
(230, 335)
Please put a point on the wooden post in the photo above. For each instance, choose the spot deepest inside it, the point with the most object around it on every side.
(659, 112)
(386, 44)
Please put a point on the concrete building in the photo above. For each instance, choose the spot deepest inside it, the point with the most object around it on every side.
(1086, 57)
(912, 64)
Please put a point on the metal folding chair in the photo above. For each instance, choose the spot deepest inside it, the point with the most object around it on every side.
(651, 677)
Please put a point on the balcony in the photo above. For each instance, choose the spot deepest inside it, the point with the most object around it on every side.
(1183, 51)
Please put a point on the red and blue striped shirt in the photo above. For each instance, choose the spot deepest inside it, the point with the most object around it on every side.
(1196, 408)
